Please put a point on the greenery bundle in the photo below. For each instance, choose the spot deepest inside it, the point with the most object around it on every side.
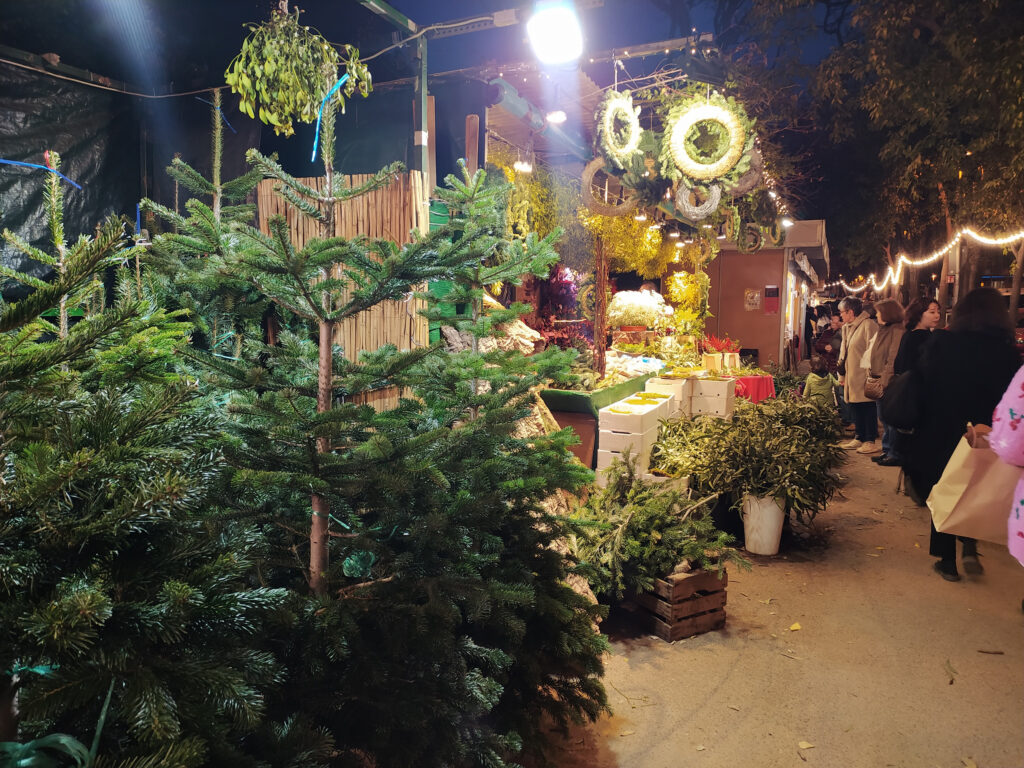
(785, 449)
(633, 531)
(637, 308)
(285, 70)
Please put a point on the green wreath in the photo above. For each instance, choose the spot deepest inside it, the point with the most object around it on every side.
(618, 128)
(707, 139)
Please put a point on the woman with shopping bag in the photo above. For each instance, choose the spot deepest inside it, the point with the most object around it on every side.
(1007, 441)
(963, 374)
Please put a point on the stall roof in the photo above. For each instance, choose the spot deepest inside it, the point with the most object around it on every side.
(808, 237)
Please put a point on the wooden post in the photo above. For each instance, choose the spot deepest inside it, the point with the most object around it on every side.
(1018, 273)
(600, 307)
(472, 142)
(431, 173)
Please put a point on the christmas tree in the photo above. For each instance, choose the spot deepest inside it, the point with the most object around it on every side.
(436, 627)
(127, 619)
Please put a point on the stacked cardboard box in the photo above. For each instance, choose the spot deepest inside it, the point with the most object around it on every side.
(715, 397)
(680, 389)
(631, 424)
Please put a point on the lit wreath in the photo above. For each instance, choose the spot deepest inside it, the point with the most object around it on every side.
(618, 144)
(698, 114)
(702, 211)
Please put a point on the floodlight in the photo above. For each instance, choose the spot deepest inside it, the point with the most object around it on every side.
(554, 32)
(787, 222)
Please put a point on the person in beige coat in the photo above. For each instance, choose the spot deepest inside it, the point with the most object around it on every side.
(883, 358)
(858, 331)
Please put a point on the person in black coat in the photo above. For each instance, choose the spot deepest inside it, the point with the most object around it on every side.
(963, 374)
(922, 317)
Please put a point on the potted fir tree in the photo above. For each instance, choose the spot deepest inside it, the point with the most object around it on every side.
(773, 458)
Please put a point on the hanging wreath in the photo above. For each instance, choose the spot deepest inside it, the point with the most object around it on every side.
(707, 137)
(618, 128)
(619, 207)
(751, 238)
(776, 233)
(723, 158)
(702, 211)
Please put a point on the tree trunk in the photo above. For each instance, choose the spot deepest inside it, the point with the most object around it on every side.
(319, 533)
(1018, 273)
(218, 148)
(943, 297)
(320, 521)
(600, 308)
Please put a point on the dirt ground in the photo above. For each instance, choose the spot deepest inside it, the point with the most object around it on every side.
(857, 648)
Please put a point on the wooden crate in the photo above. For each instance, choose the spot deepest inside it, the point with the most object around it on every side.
(686, 604)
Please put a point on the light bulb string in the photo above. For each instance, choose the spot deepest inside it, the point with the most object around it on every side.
(893, 274)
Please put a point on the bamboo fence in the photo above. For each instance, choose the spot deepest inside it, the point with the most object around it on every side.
(391, 213)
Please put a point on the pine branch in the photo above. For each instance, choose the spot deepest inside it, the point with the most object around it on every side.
(344, 191)
(189, 178)
(239, 187)
(32, 252)
(268, 166)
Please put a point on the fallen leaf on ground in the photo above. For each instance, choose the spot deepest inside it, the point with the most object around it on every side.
(627, 733)
(881, 548)
(795, 627)
(768, 601)
(917, 545)
(968, 763)
(733, 706)
(701, 747)
(805, 745)
(950, 671)
(993, 653)
(873, 554)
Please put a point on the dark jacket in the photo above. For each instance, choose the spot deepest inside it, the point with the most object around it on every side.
(910, 349)
(963, 376)
(831, 357)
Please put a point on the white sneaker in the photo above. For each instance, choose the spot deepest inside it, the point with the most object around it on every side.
(849, 445)
(869, 447)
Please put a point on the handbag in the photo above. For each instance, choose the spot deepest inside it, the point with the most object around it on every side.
(975, 491)
(873, 387)
(901, 402)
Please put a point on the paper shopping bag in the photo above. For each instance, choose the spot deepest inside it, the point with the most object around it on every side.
(975, 491)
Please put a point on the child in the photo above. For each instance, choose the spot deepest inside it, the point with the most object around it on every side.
(819, 384)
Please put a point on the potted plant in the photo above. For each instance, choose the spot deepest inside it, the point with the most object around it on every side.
(721, 353)
(781, 453)
(634, 531)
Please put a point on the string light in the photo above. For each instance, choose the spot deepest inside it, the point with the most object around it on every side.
(893, 275)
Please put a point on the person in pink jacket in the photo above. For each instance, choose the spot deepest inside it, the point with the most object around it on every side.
(1007, 440)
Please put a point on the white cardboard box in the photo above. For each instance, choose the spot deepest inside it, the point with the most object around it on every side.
(605, 459)
(637, 418)
(713, 388)
(713, 406)
(610, 440)
(678, 388)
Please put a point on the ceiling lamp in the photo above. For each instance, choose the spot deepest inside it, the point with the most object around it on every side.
(554, 32)
(557, 117)
(787, 222)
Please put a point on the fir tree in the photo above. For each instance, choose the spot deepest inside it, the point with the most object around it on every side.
(126, 618)
(438, 629)
(187, 265)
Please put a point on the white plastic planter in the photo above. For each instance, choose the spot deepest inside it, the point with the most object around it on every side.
(762, 525)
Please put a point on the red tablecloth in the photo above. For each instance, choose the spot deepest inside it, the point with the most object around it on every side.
(755, 388)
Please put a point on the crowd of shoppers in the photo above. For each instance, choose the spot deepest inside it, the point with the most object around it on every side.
(960, 373)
